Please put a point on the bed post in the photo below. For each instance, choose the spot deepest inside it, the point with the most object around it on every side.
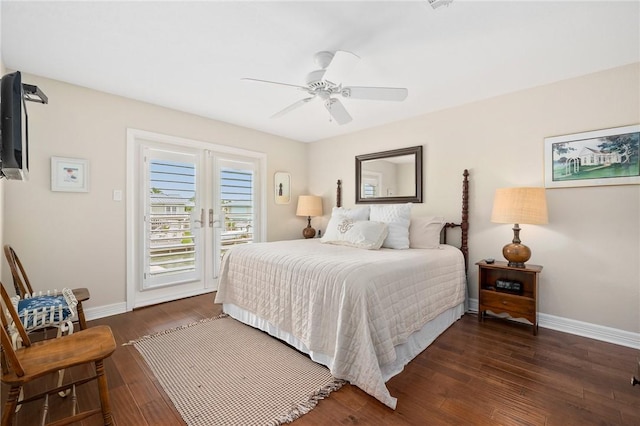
(464, 225)
(339, 194)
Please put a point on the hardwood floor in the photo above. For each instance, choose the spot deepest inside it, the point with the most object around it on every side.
(491, 373)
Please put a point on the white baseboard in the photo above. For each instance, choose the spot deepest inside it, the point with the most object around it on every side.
(120, 308)
(566, 325)
(580, 328)
(105, 311)
(593, 331)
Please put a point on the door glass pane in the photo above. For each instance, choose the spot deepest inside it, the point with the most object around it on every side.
(170, 238)
(237, 203)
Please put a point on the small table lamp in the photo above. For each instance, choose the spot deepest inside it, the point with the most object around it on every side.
(519, 205)
(309, 205)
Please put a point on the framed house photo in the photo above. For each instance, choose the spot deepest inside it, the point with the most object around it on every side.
(599, 157)
(69, 174)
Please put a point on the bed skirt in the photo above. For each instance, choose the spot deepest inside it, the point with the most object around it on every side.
(405, 352)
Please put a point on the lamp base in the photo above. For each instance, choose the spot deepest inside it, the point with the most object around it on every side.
(517, 254)
(308, 232)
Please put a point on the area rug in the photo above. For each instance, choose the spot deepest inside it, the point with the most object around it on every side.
(221, 372)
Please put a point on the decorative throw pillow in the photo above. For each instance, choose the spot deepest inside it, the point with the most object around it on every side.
(337, 214)
(424, 232)
(361, 234)
(355, 213)
(397, 217)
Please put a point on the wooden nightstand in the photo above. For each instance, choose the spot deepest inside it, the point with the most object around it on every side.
(520, 305)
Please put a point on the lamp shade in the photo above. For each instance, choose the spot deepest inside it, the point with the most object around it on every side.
(309, 205)
(520, 205)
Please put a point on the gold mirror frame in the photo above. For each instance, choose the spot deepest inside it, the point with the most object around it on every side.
(416, 197)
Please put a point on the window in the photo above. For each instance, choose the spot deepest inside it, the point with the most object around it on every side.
(369, 190)
(237, 203)
(170, 242)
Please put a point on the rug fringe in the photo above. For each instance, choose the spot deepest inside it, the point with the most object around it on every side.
(302, 409)
(171, 330)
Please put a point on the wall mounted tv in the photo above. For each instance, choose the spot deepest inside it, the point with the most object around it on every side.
(14, 125)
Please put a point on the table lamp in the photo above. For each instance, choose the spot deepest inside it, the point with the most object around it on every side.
(519, 205)
(309, 205)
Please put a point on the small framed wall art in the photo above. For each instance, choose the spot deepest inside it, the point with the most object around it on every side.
(599, 157)
(282, 181)
(69, 174)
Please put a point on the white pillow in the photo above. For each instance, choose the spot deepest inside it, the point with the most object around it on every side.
(361, 234)
(337, 214)
(355, 213)
(424, 232)
(397, 217)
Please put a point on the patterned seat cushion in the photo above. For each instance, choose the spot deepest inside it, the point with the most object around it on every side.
(31, 310)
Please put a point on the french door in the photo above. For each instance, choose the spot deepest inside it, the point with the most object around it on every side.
(189, 203)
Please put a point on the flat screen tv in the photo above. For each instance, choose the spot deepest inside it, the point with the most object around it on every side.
(14, 127)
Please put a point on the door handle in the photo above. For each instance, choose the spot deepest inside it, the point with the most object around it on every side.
(201, 220)
(214, 220)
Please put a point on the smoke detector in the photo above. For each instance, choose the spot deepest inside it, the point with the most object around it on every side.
(437, 3)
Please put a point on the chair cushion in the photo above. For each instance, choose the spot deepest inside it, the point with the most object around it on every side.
(36, 311)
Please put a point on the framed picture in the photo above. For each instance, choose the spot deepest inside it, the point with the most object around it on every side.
(600, 157)
(69, 174)
(282, 182)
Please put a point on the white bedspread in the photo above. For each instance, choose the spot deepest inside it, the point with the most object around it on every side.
(353, 305)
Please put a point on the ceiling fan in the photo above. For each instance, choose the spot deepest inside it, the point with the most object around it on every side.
(326, 84)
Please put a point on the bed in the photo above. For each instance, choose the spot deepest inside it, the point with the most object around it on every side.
(363, 313)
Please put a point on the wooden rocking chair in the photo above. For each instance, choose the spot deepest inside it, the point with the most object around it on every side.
(23, 286)
(35, 360)
(42, 312)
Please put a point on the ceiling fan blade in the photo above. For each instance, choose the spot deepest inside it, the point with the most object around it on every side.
(277, 83)
(337, 111)
(375, 93)
(291, 107)
(340, 66)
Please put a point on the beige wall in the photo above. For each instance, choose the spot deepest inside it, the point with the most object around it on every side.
(590, 249)
(78, 239)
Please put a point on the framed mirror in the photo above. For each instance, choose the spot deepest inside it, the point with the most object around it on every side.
(390, 176)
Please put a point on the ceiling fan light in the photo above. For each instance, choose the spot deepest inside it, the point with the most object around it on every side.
(337, 111)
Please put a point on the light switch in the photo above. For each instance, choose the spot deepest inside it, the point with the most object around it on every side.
(117, 195)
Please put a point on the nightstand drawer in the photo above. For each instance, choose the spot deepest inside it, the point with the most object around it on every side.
(521, 305)
(507, 302)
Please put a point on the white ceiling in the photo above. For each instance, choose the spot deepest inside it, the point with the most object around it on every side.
(190, 56)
